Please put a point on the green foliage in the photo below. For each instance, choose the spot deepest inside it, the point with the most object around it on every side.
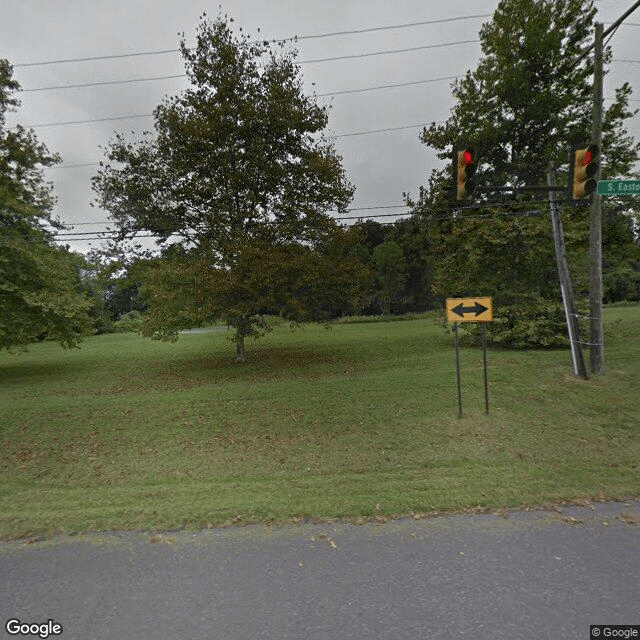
(389, 260)
(40, 291)
(621, 251)
(39, 294)
(533, 323)
(240, 177)
(398, 258)
(522, 106)
(183, 289)
(130, 322)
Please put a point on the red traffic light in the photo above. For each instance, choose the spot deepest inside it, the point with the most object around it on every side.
(583, 173)
(588, 157)
(464, 169)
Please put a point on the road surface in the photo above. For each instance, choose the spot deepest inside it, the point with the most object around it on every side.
(546, 574)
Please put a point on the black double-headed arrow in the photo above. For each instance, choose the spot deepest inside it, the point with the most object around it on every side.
(477, 308)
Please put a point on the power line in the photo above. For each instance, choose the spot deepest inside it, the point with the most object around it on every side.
(400, 26)
(342, 135)
(68, 122)
(479, 205)
(387, 86)
(293, 38)
(320, 95)
(376, 208)
(110, 235)
(74, 166)
(134, 54)
(103, 83)
(184, 75)
(364, 133)
(381, 53)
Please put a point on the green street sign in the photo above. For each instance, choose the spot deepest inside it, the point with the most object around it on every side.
(617, 187)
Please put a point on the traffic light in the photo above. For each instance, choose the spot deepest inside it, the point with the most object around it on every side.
(582, 169)
(464, 168)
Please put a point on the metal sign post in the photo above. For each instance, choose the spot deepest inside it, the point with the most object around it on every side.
(455, 326)
(479, 309)
(486, 379)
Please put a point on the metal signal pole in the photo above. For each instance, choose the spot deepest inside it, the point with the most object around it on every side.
(566, 288)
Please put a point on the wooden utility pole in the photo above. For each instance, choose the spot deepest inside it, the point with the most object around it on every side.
(595, 219)
(596, 325)
(568, 297)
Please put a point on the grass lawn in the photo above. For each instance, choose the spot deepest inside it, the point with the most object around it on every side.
(357, 421)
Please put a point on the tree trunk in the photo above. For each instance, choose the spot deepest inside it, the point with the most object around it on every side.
(239, 346)
(241, 331)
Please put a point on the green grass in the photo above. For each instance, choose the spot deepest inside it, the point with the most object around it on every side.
(357, 421)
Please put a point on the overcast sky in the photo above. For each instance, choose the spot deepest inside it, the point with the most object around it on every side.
(381, 165)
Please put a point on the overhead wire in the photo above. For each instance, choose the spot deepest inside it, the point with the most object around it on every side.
(184, 75)
(109, 234)
(301, 62)
(288, 39)
(341, 135)
(319, 95)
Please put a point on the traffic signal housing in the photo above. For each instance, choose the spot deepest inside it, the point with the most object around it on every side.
(464, 170)
(582, 171)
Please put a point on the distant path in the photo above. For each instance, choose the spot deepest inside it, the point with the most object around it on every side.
(521, 576)
(205, 330)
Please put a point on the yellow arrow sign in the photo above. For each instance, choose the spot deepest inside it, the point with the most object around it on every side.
(469, 310)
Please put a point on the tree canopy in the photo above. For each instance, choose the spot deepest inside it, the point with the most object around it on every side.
(523, 106)
(236, 184)
(39, 292)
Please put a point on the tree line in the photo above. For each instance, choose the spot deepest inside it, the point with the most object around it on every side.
(237, 179)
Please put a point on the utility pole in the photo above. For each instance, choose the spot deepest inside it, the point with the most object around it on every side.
(566, 288)
(596, 325)
(595, 219)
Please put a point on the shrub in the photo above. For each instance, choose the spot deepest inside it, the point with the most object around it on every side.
(129, 322)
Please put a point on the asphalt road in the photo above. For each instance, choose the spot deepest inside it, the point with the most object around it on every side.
(522, 575)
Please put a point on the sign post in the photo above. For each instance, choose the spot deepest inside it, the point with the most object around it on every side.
(478, 309)
(455, 327)
(486, 380)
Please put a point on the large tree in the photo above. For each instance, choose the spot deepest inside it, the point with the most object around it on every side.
(39, 285)
(237, 184)
(522, 106)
